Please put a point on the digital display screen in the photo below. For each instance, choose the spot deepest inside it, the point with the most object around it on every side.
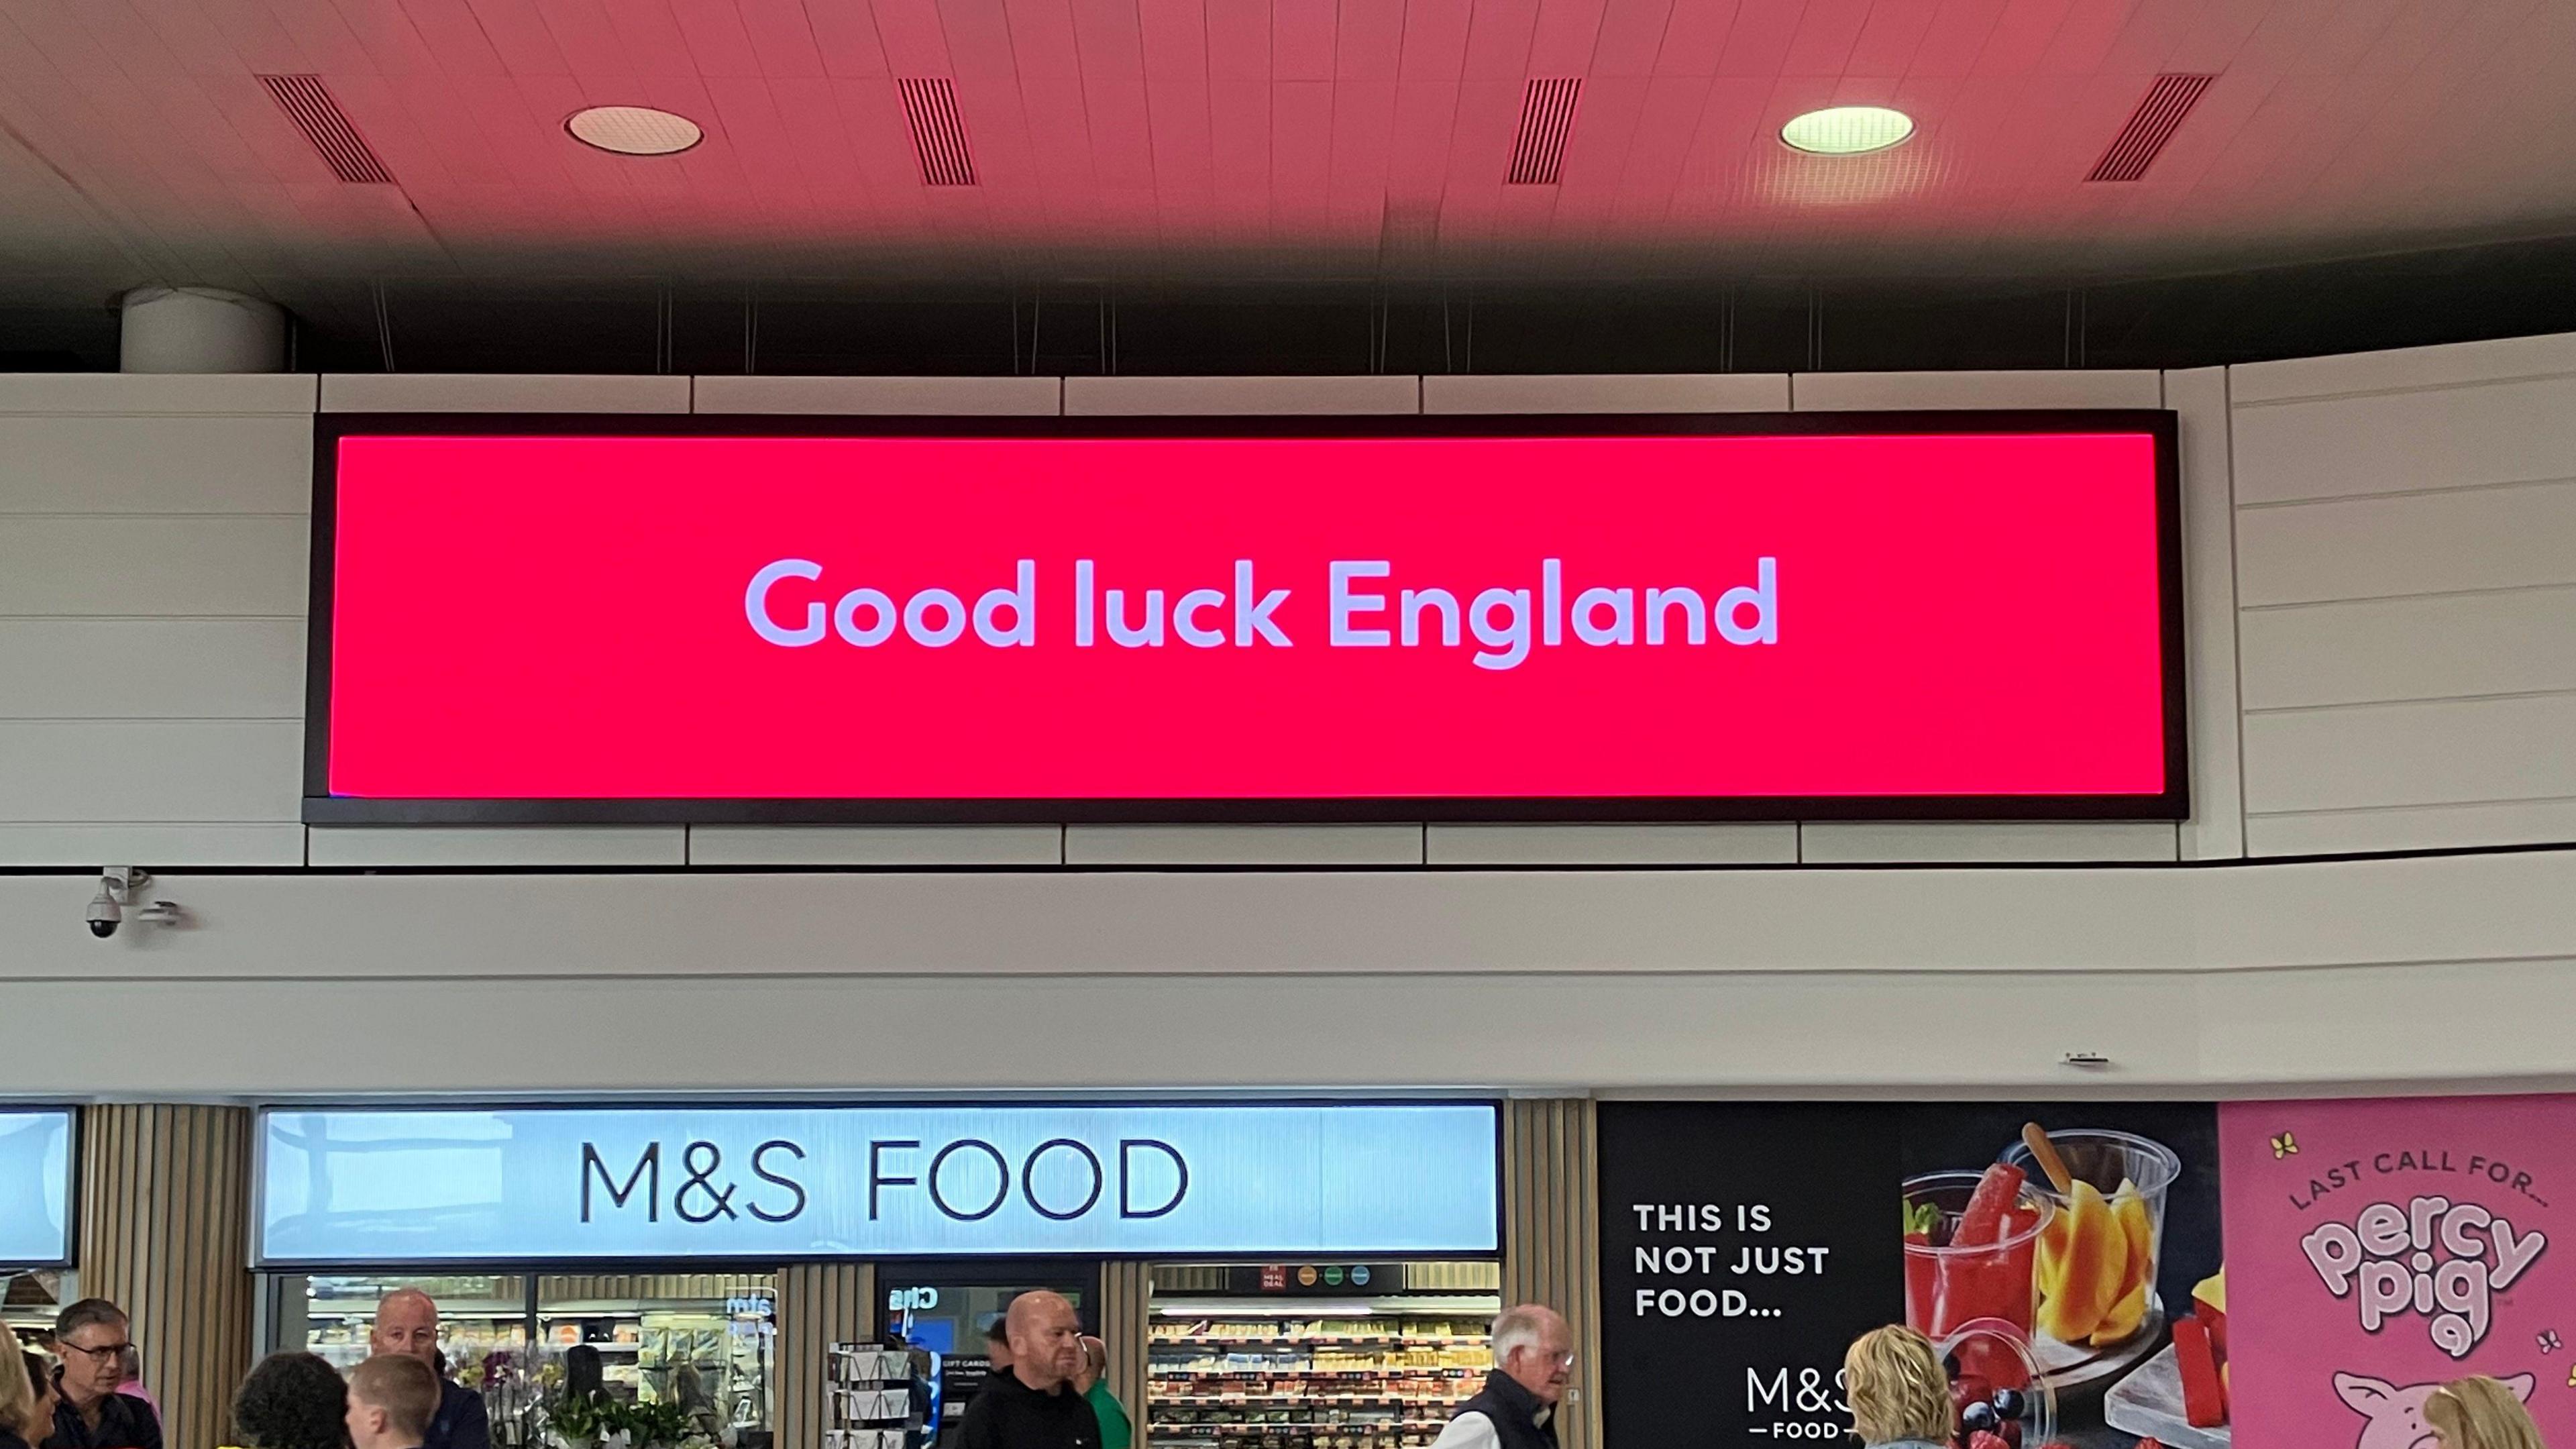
(393, 1187)
(36, 1188)
(1768, 617)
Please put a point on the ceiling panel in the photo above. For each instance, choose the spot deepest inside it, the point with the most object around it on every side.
(1264, 139)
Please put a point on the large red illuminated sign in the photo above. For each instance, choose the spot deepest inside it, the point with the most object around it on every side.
(701, 619)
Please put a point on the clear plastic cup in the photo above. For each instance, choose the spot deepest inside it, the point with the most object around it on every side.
(2002, 1355)
(1949, 1285)
(2105, 1159)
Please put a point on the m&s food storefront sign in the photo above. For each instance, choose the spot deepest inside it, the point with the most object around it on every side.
(404, 1186)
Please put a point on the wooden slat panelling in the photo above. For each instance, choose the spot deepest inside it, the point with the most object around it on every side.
(819, 1304)
(165, 1194)
(1126, 1291)
(1551, 1236)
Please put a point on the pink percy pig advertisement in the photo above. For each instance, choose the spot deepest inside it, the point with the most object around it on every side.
(2377, 1249)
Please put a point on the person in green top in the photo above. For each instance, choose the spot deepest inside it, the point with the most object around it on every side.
(1117, 1431)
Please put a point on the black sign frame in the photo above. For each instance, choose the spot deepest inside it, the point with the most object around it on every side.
(321, 807)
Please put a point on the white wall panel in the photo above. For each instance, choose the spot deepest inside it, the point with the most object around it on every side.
(1208, 396)
(2282, 1030)
(429, 392)
(662, 846)
(2427, 827)
(2373, 548)
(1952, 919)
(876, 845)
(1670, 392)
(1833, 842)
(2436, 753)
(2450, 437)
(1143, 979)
(156, 464)
(1770, 843)
(2407, 575)
(1343, 845)
(2406, 368)
(2420, 648)
(152, 588)
(885, 396)
(1235, 1034)
(82, 771)
(151, 668)
(2069, 388)
(71, 394)
(157, 845)
(2216, 830)
(101, 565)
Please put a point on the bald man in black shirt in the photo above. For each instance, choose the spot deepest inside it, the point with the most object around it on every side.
(1035, 1404)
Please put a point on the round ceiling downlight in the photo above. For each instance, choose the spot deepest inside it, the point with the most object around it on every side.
(634, 130)
(1847, 130)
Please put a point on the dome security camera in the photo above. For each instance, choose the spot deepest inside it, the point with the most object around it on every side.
(104, 914)
(116, 887)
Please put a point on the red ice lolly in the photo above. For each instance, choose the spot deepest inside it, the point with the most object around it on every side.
(1989, 1206)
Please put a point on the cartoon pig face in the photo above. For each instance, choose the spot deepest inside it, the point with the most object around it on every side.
(2397, 1415)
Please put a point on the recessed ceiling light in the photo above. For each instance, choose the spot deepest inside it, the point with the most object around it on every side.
(1848, 130)
(634, 130)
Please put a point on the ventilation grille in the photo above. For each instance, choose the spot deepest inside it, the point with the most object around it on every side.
(2167, 106)
(1547, 117)
(310, 105)
(938, 132)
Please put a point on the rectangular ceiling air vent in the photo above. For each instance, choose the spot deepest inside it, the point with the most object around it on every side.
(1547, 117)
(2168, 103)
(311, 106)
(938, 131)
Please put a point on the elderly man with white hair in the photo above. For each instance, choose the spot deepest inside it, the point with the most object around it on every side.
(1533, 1357)
(407, 1324)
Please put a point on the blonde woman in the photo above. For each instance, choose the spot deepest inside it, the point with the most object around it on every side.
(1899, 1397)
(26, 1397)
(2481, 1413)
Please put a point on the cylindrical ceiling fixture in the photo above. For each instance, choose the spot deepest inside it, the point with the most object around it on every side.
(199, 329)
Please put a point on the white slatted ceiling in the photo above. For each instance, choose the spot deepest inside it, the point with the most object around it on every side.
(1271, 135)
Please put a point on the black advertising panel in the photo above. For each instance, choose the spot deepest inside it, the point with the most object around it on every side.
(1740, 1245)
(1745, 1245)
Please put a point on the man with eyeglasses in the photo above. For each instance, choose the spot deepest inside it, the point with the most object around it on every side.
(94, 1337)
(1533, 1358)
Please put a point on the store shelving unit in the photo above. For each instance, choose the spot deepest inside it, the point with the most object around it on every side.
(1382, 1373)
(704, 1340)
(712, 1354)
(29, 1300)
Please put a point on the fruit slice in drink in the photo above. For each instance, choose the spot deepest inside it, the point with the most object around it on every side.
(2098, 1254)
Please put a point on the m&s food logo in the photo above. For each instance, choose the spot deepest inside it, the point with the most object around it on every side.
(2442, 1260)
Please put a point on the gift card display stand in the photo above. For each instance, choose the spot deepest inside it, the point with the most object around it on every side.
(878, 1399)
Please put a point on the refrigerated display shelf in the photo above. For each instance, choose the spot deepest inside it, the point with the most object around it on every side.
(1219, 1375)
(1375, 1340)
(1289, 1401)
